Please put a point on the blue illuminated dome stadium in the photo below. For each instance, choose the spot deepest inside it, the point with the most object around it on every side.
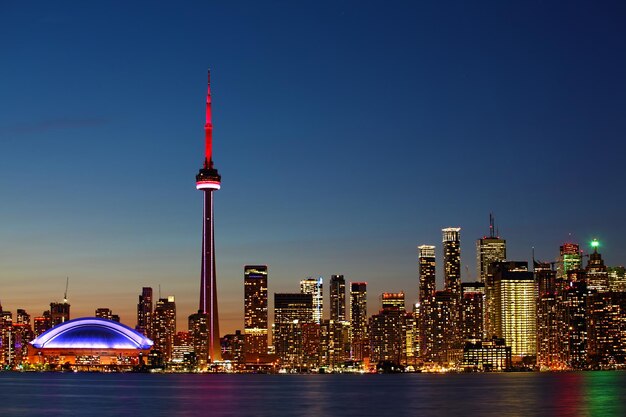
(91, 333)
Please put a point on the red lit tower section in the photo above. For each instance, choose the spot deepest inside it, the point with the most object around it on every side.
(207, 181)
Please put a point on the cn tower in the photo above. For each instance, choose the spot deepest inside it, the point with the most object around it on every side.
(207, 181)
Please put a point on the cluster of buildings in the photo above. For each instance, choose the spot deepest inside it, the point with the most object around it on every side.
(567, 314)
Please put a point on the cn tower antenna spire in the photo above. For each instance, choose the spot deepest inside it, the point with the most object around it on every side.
(208, 128)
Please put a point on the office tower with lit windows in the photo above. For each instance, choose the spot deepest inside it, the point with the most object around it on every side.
(427, 288)
(22, 317)
(199, 333)
(59, 312)
(486, 355)
(164, 326)
(452, 260)
(183, 356)
(606, 313)
(572, 305)
(42, 323)
(452, 279)
(233, 346)
(255, 309)
(358, 320)
(337, 298)
(388, 330)
(314, 286)
(548, 323)
(617, 278)
(292, 314)
(489, 249)
(515, 305)
(144, 312)
(570, 258)
(472, 307)
(104, 313)
(443, 336)
(596, 272)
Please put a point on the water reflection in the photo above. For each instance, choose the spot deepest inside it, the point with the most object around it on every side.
(587, 394)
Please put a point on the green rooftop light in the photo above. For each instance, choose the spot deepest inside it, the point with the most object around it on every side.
(595, 243)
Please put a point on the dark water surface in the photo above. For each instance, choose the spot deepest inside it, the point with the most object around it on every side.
(487, 395)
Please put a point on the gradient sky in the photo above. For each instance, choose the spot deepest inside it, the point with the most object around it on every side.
(346, 133)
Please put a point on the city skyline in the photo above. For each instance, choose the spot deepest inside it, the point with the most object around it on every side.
(301, 166)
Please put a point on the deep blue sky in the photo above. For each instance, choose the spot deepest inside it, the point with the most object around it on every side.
(347, 133)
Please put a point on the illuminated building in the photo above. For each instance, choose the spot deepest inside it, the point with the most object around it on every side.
(6, 326)
(492, 355)
(334, 342)
(314, 286)
(452, 259)
(144, 312)
(59, 312)
(41, 324)
(199, 331)
(335, 332)
(388, 330)
(617, 278)
(606, 318)
(572, 305)
(337, 298)
(88, 344)
(106, 313)
(489, 249)
(441, 315)
(358, 320)
(596, 272)
(183, 355)
(164, 326)
(255, 309)
(548, 323)
(291, 313)
(515, 307)
(22, 317)
(427, 288)
(208, 180)
(233, 347)
(570, 258)
(472, 305)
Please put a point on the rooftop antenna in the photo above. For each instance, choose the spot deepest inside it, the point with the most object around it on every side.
(159, 291)
(491, 223)
(533, 250)
(67, 283)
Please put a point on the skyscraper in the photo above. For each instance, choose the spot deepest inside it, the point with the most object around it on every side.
(358, 320)
(292, 315)
(596, 271)
(164, 326)
(452, 280)
(314, 286)
(515, 305)
(452, 260)
(548, 322)
(570, 258)
(144, 312)
(59, 312)
(472, 309)
(388, 330)
(255, 309)
(337, 298)
(489, 249)
(427, 288)
(208, 180)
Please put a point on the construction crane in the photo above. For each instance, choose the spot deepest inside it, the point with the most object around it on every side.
(67, 283)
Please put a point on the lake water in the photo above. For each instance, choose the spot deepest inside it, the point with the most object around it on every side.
(575, 394)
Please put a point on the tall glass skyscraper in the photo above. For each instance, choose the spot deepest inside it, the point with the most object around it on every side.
(255, 309)
(313, 286)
